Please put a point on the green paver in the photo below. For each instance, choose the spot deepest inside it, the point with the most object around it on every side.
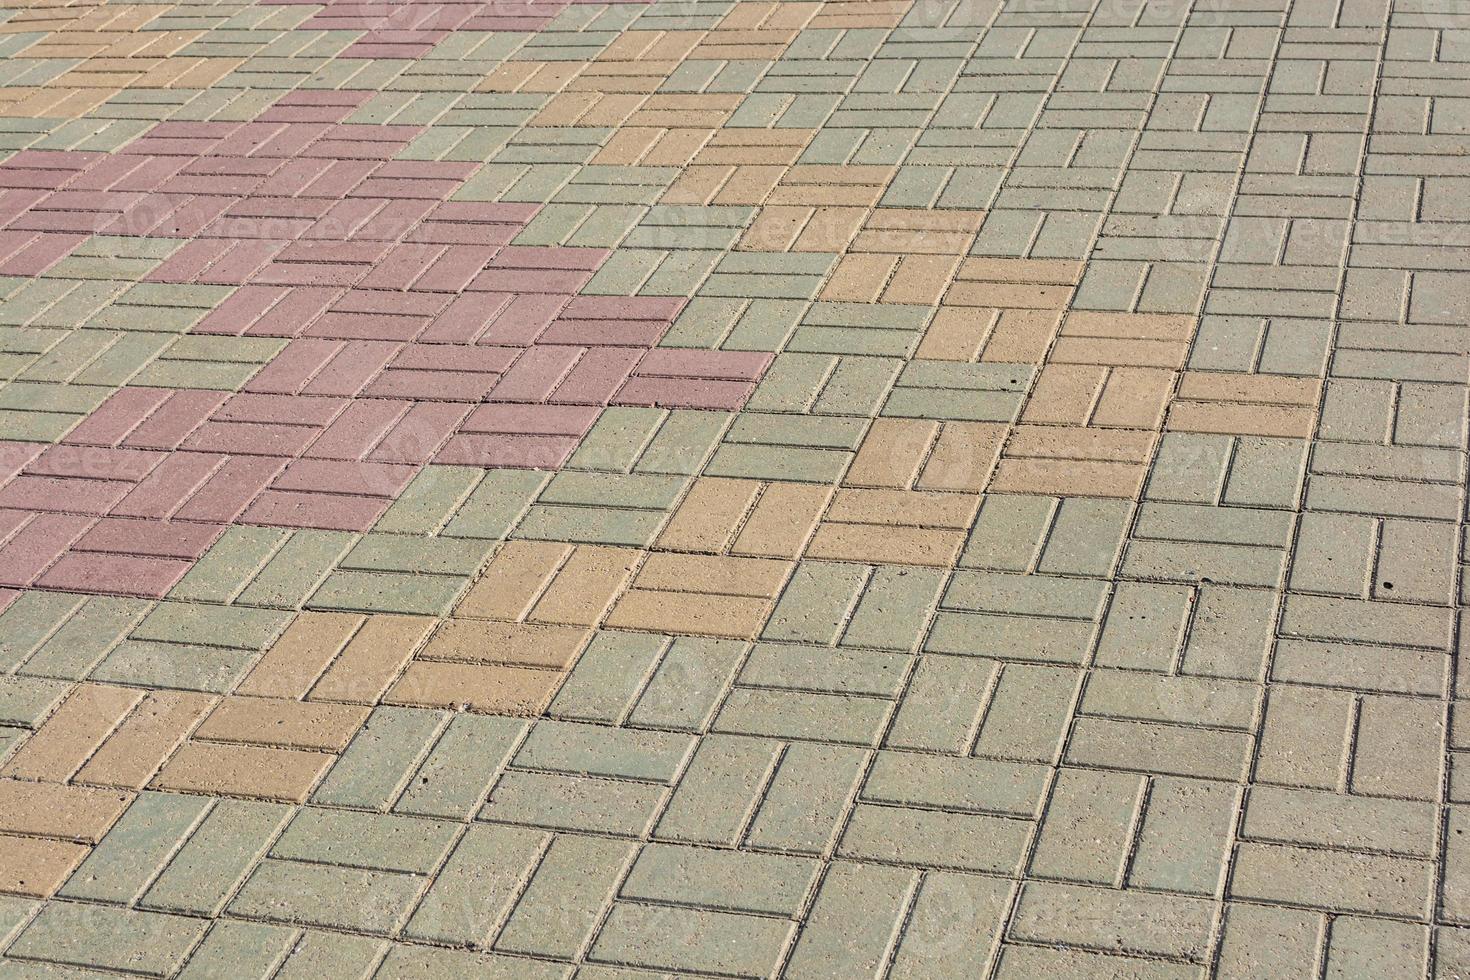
(186, 622)
(816, 604)
(30, 620)
(338, 954)
(150, 943)
(138, 844)
(373, 769)
(572, 803)
(607, 677)
(688, 684)
(25, 701)
(239, 949)
(712, 804)
(568, 747)
(464, 762)
(428, 961)
(704, 319)
(388, 592)
(315, 894)
(174, 665)
(851, 923)
(807, 797)
(562, 903)
(667, 937)
(205, 872)
(720, 879)
(230, 564)
(85, 638)
(494, 506)
(479, 885)
(295, 569)
(362, 839)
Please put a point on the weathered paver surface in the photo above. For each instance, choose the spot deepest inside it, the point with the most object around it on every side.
(828, 488)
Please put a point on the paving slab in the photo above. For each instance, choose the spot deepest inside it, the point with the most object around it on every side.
(616, 489)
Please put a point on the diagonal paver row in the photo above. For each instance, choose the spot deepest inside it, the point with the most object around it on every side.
(734, 488)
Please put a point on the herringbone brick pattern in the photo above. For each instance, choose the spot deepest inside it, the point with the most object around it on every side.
(734, 488)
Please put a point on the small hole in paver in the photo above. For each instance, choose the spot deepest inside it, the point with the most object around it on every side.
(1388, 586)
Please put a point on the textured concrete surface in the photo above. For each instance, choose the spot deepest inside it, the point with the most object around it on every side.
(829, 488)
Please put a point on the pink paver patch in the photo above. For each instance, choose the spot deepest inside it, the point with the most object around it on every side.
(415, 333)
(411, 28)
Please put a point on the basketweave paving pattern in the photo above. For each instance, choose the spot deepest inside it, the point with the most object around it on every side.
(734, 488)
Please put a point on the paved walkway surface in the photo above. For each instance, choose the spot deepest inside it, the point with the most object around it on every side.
(829, 488)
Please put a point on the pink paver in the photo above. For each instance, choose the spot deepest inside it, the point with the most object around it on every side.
(402, 310)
